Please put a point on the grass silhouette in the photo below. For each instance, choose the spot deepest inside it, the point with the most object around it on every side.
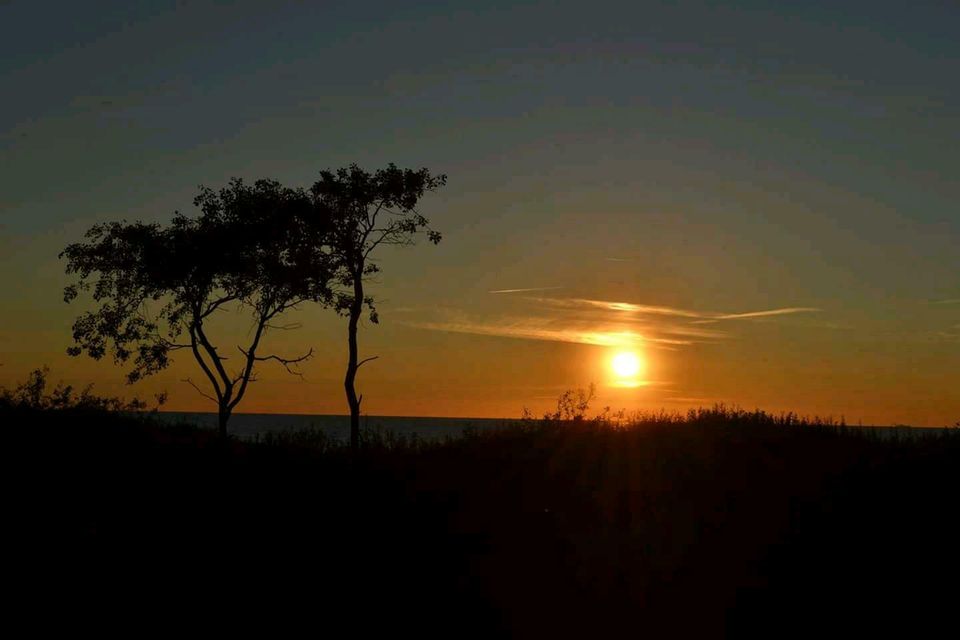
(719, 522)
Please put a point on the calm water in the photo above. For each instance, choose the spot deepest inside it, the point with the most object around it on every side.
(251, 424)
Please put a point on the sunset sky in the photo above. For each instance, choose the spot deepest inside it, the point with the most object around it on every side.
(758, 199)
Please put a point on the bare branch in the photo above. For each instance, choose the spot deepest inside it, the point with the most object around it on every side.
(211, 350)
(213, 305)
(286, 362)
(239, 377)
(203, 365)
(283, 306)
(365, 360)
(244, 376)
(169, 344)
(284, 327)
(191, 383)
(372, 219)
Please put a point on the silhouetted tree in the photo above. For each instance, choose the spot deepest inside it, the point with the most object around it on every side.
(368, 210)
(258, 248)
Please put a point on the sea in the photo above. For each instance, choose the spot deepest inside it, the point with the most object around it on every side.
(337, 427)
(250, 425)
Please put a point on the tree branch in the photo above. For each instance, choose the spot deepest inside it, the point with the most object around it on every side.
(284, 327)
(283, 306)
(203, 364)
(286, 362)
(365, 360)
(191, 383)
(372, 219)
(244, 376)
(215, 304)
(172, 346)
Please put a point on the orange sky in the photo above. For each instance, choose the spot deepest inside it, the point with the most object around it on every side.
(761, 202)
(522, 349)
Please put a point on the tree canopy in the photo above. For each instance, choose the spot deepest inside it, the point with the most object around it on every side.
(366, 211)
(263, 248)
(259, 248)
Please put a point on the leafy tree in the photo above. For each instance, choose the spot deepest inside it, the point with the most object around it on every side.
(367, 211)
(257, 248)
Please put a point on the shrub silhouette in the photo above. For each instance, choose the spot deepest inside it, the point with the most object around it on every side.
(31, 394)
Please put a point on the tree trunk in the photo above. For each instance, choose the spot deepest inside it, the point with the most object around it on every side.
(349, 381)
(222, 417)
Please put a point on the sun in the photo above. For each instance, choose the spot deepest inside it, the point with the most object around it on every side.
(626, 364)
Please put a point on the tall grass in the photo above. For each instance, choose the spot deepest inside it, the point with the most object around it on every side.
(718, 521)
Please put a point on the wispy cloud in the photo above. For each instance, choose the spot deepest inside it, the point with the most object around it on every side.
(525, 290)
(758, 314)
(950, 335)
(617, 306)
(597, 322)
(533, 329)
(690, 400)
(641, 309)
(768, 312)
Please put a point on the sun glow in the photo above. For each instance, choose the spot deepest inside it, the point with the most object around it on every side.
(626, 365)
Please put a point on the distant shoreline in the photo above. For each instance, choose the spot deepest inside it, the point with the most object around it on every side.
(335, 415)
(476, 418)
(251, 425)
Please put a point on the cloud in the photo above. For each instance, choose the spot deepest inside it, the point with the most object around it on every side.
(690, 400)
(533, 329)
(641, 309)
(524, 290)
(617, 306)
(760, 314)
(950, 335)
(560, 323)
(597, 322)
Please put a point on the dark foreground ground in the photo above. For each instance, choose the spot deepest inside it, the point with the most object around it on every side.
(722, 525)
